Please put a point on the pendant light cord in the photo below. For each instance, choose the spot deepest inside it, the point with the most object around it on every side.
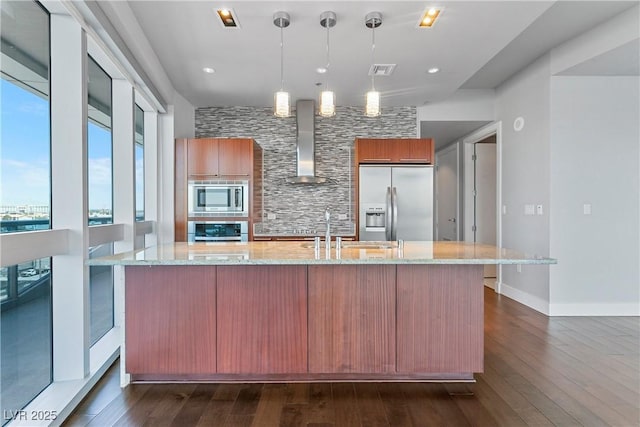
(281, 59)
(373, 50)
(326, 83)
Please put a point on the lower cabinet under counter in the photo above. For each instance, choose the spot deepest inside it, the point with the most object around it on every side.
(303, 323)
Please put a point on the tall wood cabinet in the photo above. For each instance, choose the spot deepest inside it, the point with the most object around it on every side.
(216, 158)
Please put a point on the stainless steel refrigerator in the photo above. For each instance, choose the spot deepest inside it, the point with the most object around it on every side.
(395, 202)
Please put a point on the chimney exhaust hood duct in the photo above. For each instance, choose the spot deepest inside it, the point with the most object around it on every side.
(305, 144)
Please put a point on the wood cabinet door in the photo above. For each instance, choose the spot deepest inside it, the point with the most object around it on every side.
(235, 157)
(413, 151)
(262, 319)
(170, 319)
(374, 151)
(440, 318)
(352, 319)
(202, 158)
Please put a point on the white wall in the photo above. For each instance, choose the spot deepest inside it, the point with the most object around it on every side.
(184, 116)
(464, 105)
(595, 153)
(526, 179)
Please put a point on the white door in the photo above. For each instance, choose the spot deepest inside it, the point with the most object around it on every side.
(485, 197)
(447, 196)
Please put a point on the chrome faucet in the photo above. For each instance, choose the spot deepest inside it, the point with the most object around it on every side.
(327, 218)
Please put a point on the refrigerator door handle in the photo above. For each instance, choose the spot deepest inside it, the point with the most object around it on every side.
(394, 204)
(388, 214)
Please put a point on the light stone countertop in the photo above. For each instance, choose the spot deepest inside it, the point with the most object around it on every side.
(303, 253)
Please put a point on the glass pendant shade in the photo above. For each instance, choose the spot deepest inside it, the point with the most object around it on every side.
(327, 103)
(282, 107)
(372, 107)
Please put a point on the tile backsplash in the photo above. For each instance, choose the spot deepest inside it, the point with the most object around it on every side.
(294, 208)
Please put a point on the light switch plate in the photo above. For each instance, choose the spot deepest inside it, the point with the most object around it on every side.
(529, 209)
(586, 209)
(342, 216)
(271, 216)
(504, 209)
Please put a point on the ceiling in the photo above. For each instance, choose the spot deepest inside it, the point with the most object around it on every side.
(476, 45)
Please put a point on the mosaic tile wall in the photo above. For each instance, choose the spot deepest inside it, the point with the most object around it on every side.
(300, 208)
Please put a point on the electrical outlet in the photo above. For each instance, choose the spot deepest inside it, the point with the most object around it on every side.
(504, 209)
(519, 268)
(539, 210)
(342, 216)
(271, 216)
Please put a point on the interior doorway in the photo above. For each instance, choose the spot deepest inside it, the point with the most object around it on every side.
(484, 196)
(447, 194)
(482, 213)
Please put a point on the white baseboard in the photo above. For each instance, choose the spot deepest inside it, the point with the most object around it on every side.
(544, 307)
(603, 309)
(532, 301)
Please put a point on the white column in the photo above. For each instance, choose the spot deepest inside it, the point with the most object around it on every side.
(71, 325)
(166, 158)
(124, 199)
(124, 169)
(151, 176)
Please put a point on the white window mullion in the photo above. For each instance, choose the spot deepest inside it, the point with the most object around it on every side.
(71, 325)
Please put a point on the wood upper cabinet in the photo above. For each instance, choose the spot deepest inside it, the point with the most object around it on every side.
(235, 157)
(209, 157)
(202, 157)
(397, 150)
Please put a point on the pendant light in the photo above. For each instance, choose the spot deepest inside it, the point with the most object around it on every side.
(327, 97)
(372, 108)
(282, 104)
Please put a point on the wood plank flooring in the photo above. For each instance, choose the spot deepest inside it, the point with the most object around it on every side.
(539, 371)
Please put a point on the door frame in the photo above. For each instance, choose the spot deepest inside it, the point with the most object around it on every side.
(468, 141)
(451, 147)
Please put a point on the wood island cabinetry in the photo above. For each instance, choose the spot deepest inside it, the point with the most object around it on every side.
(304, 322)
(281, 312)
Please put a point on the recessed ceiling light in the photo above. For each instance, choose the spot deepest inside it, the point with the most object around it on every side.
(208, 70)
(433, 70)
(321, 70)
(429, 17)
(228, 18)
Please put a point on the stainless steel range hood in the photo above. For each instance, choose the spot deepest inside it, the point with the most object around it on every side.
(305, 144)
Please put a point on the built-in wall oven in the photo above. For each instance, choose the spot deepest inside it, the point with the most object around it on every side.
(218, 198)
(217, 231)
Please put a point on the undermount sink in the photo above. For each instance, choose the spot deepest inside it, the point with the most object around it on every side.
(357, 245)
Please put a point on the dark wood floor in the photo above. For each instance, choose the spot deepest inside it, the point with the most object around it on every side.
(539, 371)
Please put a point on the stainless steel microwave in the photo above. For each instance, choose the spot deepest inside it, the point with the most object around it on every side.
(218, 198)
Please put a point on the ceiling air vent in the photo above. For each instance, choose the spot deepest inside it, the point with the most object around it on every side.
(381, 69)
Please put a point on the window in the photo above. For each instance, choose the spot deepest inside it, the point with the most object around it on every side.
(26, 353)
(100, 293)
(139, 159)
(26, 349)
(100, 147)
(25, 142)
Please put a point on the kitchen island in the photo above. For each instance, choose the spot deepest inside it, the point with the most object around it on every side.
(284, 312)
